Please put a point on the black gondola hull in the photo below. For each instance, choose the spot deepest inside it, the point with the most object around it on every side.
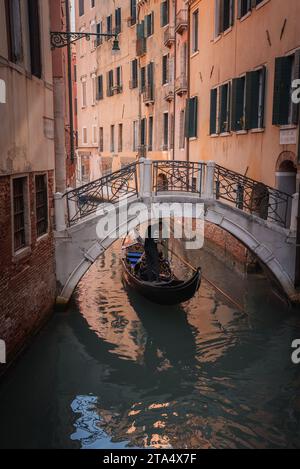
(164, 294)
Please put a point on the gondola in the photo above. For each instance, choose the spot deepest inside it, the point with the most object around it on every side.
(167, 291)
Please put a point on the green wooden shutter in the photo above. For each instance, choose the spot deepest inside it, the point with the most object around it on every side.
(252, 100)
(224, 89)
(191, 123)
(282, 90)
(213, 111)
(264, 77)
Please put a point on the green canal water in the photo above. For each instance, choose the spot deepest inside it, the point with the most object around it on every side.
(116, 371)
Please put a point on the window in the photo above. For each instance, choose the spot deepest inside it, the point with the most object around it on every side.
(164, 13)
(101, 139)
(149, 22)
(287, 69)
(195, 31)
(150, 134)
(135, 136)
(191, 117)
(143, 79)
(94, 89)
(255, 99)
(92, 3)
(224, 15)
(244, 6)
(133, 12)
(84, 136)
(81, 7)
(165, 62)
(181, 130)
(20, 212)
(99, 39)
(13, 14)
(213, 111)
(109, 25)
(118, 20)
(83, 90)
(110, 83)
(143, 131)
(120, 138)
(35, 38)
(150, 79)
(134, 74)
(238, 104)
(112, 138)
(99, 87)
(119, 79)
(41, 204)
(95, 136)
(224, 108)
(166, 131)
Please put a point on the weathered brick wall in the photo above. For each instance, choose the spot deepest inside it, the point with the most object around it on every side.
(27, 284)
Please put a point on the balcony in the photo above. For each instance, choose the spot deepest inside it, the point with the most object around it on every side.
(181, 84)
(181, 21)
(169, 93)
(141, 46)
(148, 95)
(169, 36)
(117, 89)
(142, 151)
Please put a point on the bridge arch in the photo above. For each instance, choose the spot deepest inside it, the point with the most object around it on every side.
(79, 248)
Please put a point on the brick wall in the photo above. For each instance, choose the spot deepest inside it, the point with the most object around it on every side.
(27, 283)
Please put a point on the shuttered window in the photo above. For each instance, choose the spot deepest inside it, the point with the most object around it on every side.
(120, 138)
(164, 13)
(143, 79)
(165, 62)
(13, 15)
(224, 108)
(224, 15)
(112, 138)
(150, 134)
(244, 6)
(118, 20)
(181, 130)
(282, 90)
(213, 111)
(81, 7)
(150, 24)
(101, 139)
(191, 123)
(238, 104)
(143, 131)
(109, 25)
(195, 31)
(99, 39)
(41, 204)
(99, 87)
(133, 11)
(166, 131)
(134, 74)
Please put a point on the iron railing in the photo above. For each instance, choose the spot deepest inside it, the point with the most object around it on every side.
(178, 176)
(85, 200)
(252, 196)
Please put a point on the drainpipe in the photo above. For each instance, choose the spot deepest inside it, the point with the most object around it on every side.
(174, 78)
(140, 94)
(70, 84)
(188, 75)
(297, 261)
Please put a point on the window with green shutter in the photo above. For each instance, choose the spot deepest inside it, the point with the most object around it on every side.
(213, 111)
(191, 126)
(224, 116)
(164, 13)
(238, 104)
(282, 90)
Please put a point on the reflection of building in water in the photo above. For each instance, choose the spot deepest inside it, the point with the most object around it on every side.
(111, 317)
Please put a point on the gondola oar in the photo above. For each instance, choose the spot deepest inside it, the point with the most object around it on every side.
(209, 282)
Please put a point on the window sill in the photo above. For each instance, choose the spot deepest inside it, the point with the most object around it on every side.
(227, 31)
(214, 135)
(257, 131)
(217, 39)
(225, 134)
(241, 132)
(42, 237)
(288, 127)
(192, 139)
(262, 4)
(21, 254)
(243, 18)
(194, 54)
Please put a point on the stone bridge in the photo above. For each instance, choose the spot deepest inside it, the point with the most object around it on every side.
(261, 217)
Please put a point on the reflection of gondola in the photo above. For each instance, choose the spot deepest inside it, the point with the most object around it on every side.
(166, 291)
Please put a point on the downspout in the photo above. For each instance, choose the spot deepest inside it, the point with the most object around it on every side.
(140, 95)
(297, 260)
(70, 84)
(188, 75)
(174, 78)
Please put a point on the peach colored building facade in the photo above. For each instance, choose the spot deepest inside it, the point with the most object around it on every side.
(131, 103)
(246, 119)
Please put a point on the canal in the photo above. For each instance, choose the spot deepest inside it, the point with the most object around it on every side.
(116, 371)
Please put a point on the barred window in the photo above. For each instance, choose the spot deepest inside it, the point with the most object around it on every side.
(41, 203)
(19, 191)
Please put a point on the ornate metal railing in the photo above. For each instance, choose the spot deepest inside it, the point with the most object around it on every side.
(252, 196)
(85, 200)
(178, 176)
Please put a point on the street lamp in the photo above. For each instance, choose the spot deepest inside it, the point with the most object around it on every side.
(61, 39)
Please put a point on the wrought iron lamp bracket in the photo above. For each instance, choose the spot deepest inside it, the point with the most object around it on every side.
(61, 39)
